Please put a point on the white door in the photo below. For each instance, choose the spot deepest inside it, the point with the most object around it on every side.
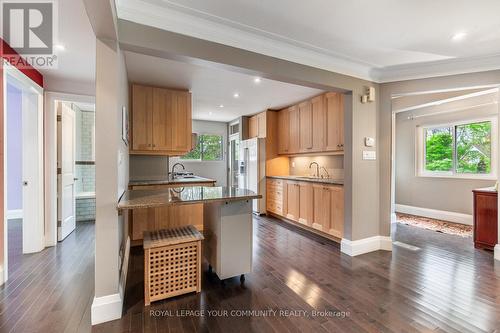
(33, 224)
(66, 210)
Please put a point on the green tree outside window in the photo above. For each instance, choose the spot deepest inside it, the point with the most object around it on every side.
(209, 147)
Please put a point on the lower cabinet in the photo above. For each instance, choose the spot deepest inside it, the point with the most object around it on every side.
(318, 206)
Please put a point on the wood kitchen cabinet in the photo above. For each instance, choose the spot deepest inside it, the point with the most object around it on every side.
(485, 218)
(334, 120)
(305, 203)
(305, 127)
(329, 209)
(312, 126)
(160, 121)
(257, 127)
(315, 205)
(283, 132)
(292, 200)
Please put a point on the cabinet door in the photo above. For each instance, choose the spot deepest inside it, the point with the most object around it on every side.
(294, 129)
(305, 127)
(334, 122)
(162, 119)
(141, 120)
(318, 123)
(253, 127)
(321, 207)
(305, 203)
(261, 125)
(292, 198)
(336, 211)
(283, 131)
(181, 124)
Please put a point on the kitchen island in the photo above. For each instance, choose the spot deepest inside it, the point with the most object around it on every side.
(227, 221)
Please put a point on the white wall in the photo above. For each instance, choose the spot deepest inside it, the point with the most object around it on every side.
(210, 169)
(111, 167)
(446, 194)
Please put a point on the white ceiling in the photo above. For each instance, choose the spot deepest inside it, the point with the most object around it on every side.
(379, 40)
(77, 62)
(212, 87)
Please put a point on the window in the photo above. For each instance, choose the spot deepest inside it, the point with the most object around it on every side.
(464, 149)
(208, 148)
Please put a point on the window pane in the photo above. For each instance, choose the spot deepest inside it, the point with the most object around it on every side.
(194, 154)
(439, 149)
(474, 148)
(211, 147)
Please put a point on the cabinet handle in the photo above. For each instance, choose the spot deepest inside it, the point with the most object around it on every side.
(154, 145)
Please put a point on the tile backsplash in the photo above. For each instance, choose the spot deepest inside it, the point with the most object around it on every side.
(299, 166)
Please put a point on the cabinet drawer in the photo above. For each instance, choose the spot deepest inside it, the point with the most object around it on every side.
(275, 207)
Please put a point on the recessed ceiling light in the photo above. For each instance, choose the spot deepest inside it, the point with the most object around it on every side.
(221, 106)
(210, 113)
(59, 47)
(236, 95)
(459, 36)
(257, 80)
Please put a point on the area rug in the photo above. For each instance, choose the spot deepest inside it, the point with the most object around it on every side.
(436, 225)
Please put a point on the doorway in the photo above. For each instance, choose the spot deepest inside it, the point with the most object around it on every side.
(23, 165)
(75, 165)
(444, 145)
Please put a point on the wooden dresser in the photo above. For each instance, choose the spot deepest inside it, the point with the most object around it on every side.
(485, 218)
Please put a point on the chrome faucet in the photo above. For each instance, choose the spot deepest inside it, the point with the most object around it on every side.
(173, 173)
(327, 174)
(317, 168)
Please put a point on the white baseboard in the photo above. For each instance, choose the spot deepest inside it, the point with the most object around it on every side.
(365, 245)
(106, 308)
(14, 214)
(497, 252)
(435, 214)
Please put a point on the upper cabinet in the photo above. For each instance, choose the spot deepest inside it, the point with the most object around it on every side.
(334, 113)
(160, 121)
(315, 125)
(257, 126)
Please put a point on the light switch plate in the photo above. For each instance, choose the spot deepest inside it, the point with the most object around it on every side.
(369, 155)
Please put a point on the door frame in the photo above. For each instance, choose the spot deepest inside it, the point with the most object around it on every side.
(27, 83)
(50, 156)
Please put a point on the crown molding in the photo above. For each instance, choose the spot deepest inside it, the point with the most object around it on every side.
(194, 24)
(189, 22)
(437, 68)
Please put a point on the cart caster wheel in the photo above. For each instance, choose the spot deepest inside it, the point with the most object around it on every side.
(210, 270)
(242, 278)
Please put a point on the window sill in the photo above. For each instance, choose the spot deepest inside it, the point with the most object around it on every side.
(464, 177)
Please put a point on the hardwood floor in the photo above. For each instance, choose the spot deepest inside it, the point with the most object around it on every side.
(50, 291)
(439, 283)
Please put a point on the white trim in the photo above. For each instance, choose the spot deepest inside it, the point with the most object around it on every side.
(435, 214)
(420, 150)
(50, 156)
(106, 308)
(14, 214)
(365, 245)
(1, 275)
(497, 252)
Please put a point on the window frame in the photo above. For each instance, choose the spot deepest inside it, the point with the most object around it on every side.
(420, 150)
(201, 152)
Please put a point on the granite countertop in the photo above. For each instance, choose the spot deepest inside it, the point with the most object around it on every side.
(311, 179)
(169, 181)
(134, 199)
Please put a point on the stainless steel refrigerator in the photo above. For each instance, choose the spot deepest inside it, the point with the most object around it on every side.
(252, 170)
